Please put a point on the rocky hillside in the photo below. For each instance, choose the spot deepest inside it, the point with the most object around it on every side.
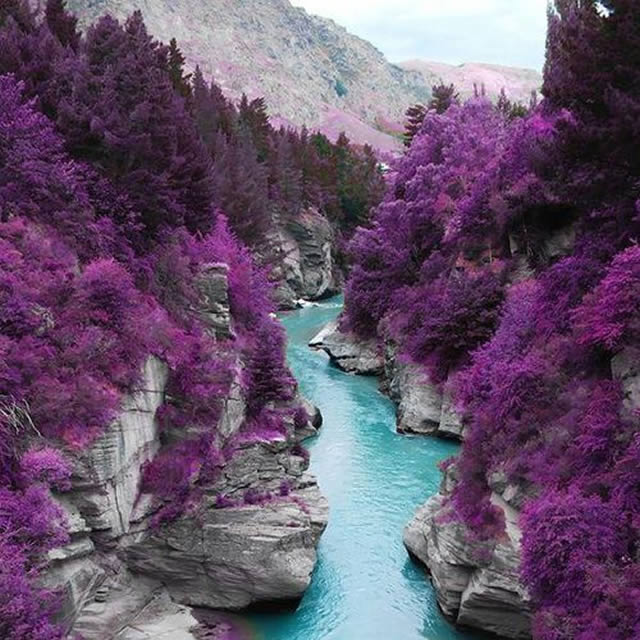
(518, 83)
(310, 70)
(260, 518)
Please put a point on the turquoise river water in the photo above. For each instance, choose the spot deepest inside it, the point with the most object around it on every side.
(364, 586)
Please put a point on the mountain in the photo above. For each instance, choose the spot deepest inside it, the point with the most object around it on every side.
(518, 83)
(310, 70)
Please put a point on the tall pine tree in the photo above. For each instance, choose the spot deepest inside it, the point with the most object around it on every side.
(62, 23)
(124, 116)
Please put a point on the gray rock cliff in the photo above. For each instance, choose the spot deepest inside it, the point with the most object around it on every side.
(349, 353)
(423, 407)
(122, 577)
(477, 584)
(300, 255)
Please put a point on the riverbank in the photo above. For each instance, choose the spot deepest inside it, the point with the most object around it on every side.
(365, 587)
(477, 585)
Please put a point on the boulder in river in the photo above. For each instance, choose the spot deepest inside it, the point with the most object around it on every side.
(235, 557)
(349, 353)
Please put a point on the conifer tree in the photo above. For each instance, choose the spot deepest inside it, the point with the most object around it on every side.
(415, 117)
(211, 111)
(240, 187)
(62, 24)
(181, 82)
(253, 116)
(124, 116)
(511, 110)
(443, 96)
(20, 12)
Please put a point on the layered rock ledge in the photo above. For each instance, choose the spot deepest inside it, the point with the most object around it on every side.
(300, 255)
(423, 407)
(122, 576)
(477, 585)
(349, 353)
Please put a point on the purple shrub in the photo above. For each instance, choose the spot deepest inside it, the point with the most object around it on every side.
(285, 488)
(446, 319)
(576, 560)
(302, 452)
(62, 24)
(301, 418)
(267, 378)
(256, 497)
(504, 255)
(224, 502)
(199, 379)
(30, 525)
(267, 426)
(608, 316)
(45, 466)
(421, 210)
(113, 168)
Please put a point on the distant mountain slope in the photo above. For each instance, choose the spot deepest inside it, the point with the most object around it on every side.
(518, 83)
(311, 70)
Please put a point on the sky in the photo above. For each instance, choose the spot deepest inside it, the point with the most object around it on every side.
(509, 32)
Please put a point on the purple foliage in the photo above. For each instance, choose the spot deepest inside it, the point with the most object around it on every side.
(110, 182)
(413, 236)
(45, 466)
(299, 450)
(540, 213)
(257, 497)
(449, 317)
(301, 418)
(258, 170)
(267, 379)
(266, 426)
(30, 525)
(285, 488)
(608, 316)
(224, 502)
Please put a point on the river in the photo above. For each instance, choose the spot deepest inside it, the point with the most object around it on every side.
(364, 586)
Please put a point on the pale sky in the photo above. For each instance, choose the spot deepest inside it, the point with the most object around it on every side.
(509, 32)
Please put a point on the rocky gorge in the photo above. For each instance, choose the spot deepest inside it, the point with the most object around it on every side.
(482, 362)
(477, 585)
(125, 576)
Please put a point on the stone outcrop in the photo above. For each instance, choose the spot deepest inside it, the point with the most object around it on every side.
(106, 480)
(300, 254)
(107, 476)
(477, 584)
(213, 285)
(120, 576)
(162, 619)
(234, 557)
(625, 366)
(423, 407)
(348, 352)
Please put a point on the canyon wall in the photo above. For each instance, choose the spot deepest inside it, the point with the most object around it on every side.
(301, 256)
(250, 538)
